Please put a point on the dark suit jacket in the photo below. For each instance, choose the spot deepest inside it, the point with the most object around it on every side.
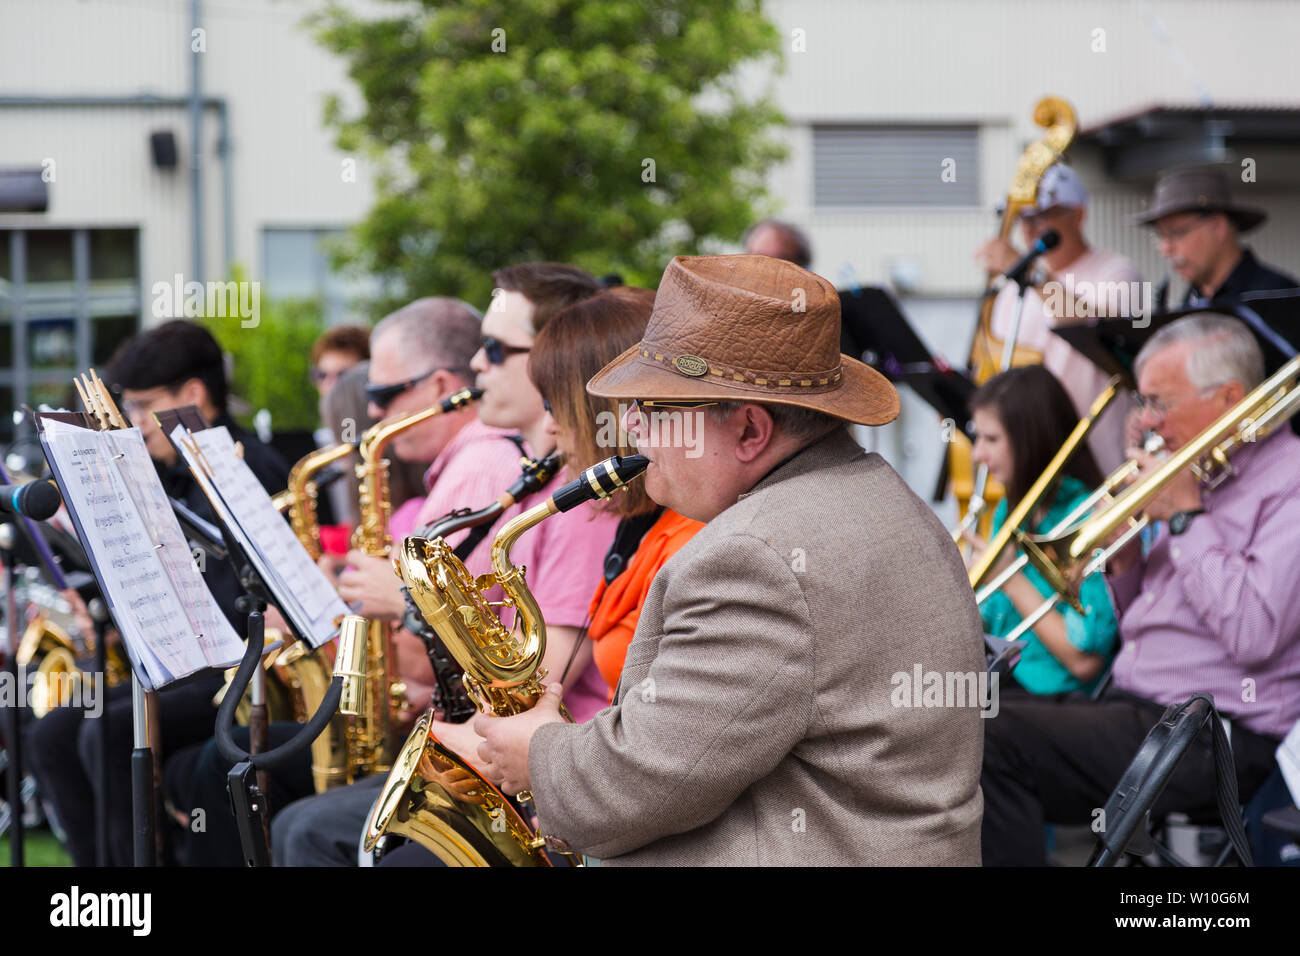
(270, 469)
(754, 722)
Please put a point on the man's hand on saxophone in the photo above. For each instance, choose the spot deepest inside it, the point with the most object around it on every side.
(503, 752)
(370, 581)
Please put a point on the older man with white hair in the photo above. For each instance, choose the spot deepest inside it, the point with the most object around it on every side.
(1210, 608)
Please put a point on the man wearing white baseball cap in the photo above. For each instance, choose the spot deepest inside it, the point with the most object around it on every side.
(1073, 282)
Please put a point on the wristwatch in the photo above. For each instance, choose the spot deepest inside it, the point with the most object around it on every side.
(1179, 522)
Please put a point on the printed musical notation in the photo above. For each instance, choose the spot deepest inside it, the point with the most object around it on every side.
(160, 604)
(301, 591)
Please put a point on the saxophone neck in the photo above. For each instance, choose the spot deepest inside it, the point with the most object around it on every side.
(376, 437)
(511, 533)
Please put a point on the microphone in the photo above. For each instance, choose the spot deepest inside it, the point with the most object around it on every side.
(37, 500)
(1048, 240)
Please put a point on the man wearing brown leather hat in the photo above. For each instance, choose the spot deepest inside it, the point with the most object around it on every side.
(1198, 224)
(765, 713)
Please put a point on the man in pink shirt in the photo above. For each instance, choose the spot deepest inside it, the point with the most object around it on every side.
(563, 556)
(1074, 282)
(1209, 609)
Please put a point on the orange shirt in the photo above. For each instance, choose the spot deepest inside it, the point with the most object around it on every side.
(617, 606)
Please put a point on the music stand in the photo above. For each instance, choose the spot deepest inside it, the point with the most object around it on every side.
(1113, 344)
(873, 329)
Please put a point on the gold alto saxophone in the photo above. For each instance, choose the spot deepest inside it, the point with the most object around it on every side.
(299, 498)
(450, 701)
(369, 733)
(432, 795)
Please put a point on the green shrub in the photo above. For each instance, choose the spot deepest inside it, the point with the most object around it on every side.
(271, 362)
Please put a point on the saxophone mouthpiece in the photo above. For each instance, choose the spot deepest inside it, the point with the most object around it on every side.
(350, 664)
(600, 481)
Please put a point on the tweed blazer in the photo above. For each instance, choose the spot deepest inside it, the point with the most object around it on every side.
(755, 722)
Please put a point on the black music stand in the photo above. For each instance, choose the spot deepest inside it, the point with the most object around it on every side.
(873, 329)
(1113, 344)
(247, 784)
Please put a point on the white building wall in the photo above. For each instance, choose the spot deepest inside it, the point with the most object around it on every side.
(983, 62)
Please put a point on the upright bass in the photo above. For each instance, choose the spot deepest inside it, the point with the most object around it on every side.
(989, 354)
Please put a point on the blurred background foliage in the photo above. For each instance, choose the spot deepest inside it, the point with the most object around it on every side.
(612, 135)
(270, 363)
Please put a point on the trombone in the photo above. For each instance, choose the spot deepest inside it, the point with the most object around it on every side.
(980, 569)
(1081, 548)
(1029, 545)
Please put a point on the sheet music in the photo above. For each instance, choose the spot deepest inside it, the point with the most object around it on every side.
(157, 632)
(299, 588)
(220, 644)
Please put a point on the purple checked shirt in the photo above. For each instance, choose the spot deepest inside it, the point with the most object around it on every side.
(1217, 608)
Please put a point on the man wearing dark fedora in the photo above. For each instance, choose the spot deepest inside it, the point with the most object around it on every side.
(1198, 226)
(766, 712)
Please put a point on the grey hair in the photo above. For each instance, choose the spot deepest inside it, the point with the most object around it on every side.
(806, 424)
(1230, 352)
(441, 330)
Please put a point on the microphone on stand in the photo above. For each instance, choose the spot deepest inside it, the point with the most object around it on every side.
(1046, 242)
(38, 500)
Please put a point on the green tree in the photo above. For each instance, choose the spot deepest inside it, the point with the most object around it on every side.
(612, 134)
(270, 363)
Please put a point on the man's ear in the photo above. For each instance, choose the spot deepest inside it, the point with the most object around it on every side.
(192, 392)
(757, 433)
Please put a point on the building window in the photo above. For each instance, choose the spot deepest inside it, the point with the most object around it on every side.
(861, 165)
(68, 298)
(296, 265)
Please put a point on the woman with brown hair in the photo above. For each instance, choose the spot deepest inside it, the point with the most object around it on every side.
(573, 346)
(1022, 417)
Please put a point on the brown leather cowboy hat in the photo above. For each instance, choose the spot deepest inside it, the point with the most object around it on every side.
(747, 329)
(1202, 189)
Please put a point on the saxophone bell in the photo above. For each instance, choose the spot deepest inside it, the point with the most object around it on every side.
(433, 796)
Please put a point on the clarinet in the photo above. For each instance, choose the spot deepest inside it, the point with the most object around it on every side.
(450, 702)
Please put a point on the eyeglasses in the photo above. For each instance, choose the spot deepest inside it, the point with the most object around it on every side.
(546, 406)
(148, 403)
(497, 351)
(385, 395)
(1174, 233)
(1160, 409)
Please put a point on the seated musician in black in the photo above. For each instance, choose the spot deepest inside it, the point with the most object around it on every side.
(1198, 227)
(169, 366)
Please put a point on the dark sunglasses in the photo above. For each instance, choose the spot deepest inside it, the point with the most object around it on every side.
(385, 395)
(497, 351)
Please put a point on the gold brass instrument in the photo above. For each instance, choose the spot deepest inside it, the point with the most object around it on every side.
(1111, 485)
(1070, 555)
(298, 681)
(1033, 498)
(299, 498)
(451, 702)
(48, 646)
(433, 796)
(369, 733)
(988, 355)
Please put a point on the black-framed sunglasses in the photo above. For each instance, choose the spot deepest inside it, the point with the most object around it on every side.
(385, 395)
(497, 351)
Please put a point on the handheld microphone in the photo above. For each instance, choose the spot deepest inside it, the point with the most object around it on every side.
(37, 500)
